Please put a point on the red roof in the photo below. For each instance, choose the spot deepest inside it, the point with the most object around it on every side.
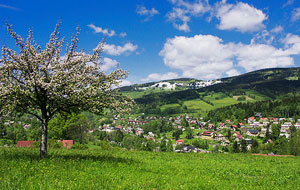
(207, 133)
(180, 140)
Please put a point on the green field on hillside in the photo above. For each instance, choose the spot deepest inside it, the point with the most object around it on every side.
(121, 169)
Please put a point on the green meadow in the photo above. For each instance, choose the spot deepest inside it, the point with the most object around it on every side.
(113, 168)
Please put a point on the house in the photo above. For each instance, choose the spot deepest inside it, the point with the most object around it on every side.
(219, 137)
(253, 133)
(238, 136)
(234, 127)
(139, 131)
(297, 125)
(208, 133)
(221, 125)
(210, 126)
(273, 119)
(264, 119)
(180, 141)
(249, 141)
(258, 115)
(251, 119)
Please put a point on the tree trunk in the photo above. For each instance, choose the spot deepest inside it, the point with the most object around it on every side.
(43, 147)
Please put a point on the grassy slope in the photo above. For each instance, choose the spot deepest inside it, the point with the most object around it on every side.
(119, 169)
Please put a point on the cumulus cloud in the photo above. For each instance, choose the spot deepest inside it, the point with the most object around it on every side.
(208, 57)
(292, 44)
(259, 56)
(105, 32)
(296, 14)
(112, 49)
(232, 72)
(149, 13)
(241, 17)
(157, 76)
(124, 82)
(267, 37)
(277, 29)
(109, 64)
(202, 56)
(183, 10)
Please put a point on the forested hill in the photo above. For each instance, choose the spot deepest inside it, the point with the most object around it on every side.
(287, 108)
(270, 82)
(266, 84)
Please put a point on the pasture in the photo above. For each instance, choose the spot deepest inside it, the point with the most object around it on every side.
(113, 168)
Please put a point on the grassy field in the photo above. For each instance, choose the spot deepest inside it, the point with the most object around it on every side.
(121, 169)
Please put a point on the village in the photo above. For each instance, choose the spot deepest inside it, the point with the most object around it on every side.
(219, 136)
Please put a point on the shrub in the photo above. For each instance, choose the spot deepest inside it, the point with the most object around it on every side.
(105, 145)
(241, 98)
(55, 144)
(79, 146)
(6, 142)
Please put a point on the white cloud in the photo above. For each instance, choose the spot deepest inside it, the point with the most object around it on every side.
(289, 2)
(201, 56)
(123, 34)
(124, 82)
(232, 72)
(241, 17)
(277, 29)
(106, 32)
(149, 13)
(109, 64)
(9, 7)
(158, 77)
(263, 37)
(267, 37)
(183, 11)
(112, 49)
(296, 14)
(292, 44)
(208, 57)
(259, 56)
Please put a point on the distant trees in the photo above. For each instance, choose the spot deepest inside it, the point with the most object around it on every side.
(255, 145)
(201, 144)
(176, 134)
(244, 146)
(235, 147)
(287, 107)
(295, 143)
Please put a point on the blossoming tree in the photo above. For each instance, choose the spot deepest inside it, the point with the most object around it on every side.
(44, 82)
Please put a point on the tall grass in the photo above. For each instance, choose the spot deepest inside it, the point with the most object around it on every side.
(120, 169)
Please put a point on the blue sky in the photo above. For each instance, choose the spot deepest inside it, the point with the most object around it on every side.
(156, 40)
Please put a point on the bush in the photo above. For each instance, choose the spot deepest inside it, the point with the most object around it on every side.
(79, 146)
(179, 146)
(105, 145)
(241, 98)
(36, 144)
(55, 144)
(6, 142)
